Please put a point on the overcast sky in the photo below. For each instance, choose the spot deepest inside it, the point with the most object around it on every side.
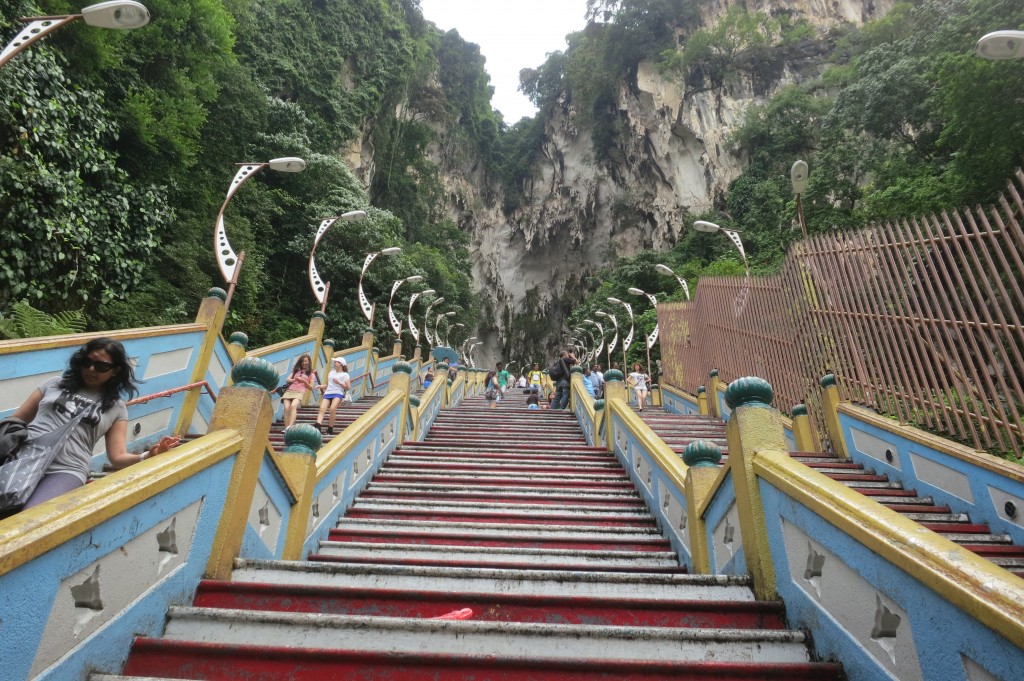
(512, 36)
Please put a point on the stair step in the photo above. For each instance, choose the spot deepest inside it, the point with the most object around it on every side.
(639, 511)
(498, 556)
(530, 517)
(503, 639)
(228, 663)
(492, 606)
(563, 583)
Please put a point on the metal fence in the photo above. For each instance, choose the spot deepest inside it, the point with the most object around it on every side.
(920, 319)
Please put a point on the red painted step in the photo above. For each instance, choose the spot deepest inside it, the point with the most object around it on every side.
(501, 518)
(493, 607)
(212, 662)
(624, 501)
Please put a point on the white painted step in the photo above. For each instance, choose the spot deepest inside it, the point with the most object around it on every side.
(596, 584)
(501, 639)
(498, 490)
(513, 473)
(383, 505)
(596, 560)
(494, 461)
(504, 530)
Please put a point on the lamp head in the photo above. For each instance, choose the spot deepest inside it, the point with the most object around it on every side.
(414, 279)
(458, 325)
(665, 269)
(614, 301)
(121, 14)
(602, 313)
(798, 176)
(428, 292)
(353, 215)
(706, 227)
(591, 321)
(449, 314)
(1001, 45)
(637, 292)
(287, 164)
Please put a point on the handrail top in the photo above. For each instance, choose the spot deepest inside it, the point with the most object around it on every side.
(283, 345)
(992, 595)
(349, 438)
(17, 345)
(968, 454)
(31, 533)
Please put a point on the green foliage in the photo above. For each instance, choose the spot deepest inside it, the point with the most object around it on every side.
(28, 322)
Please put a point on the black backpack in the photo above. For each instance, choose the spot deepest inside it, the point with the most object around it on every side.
(556, 372)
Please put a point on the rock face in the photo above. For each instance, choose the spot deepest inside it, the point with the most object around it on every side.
(579, 213)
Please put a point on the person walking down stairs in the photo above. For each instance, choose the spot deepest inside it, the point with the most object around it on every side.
(335, 391)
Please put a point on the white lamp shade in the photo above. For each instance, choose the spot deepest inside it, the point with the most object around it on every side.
(637, 292)
(798, 176)
(287, 164)
(118, 14)
(1002, 45)
(706, 227)
(353, 215)
(391, 251)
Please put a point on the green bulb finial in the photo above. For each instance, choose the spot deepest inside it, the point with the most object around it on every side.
(302, 439)
(253, 372)
(749, 391)
(239, 338)
(702, 454)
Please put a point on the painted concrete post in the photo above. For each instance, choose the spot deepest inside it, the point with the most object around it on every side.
(701, 458)
(830, 406)
(802, 432)
(401, 377)
(244, 407)
(328, 346)
(417, 354)
(414, 412)
(316, 329)
(396, 347)
(614, 391)
(298, 461)
(599, 418)
(714, 408)
(237, 345)
(702, 401)
(574, 371)
(211, 315)
(753, 427)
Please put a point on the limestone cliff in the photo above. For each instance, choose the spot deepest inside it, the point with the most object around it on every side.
(671, 158)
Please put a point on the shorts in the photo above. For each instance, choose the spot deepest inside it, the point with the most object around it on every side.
(334, 396)
(533, 406)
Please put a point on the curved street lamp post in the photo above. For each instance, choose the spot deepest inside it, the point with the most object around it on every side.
(437, 336)
(412, 327)
(600, 344)
(230, 264)
(629, 337)
(665, 269)
(395, 322)
(615, 340)
(117, 14)
(740, 301)
(653, 338)
(320, 289)
(426, 322)
(364, 304)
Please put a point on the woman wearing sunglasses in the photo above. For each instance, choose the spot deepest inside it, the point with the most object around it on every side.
(94, 384)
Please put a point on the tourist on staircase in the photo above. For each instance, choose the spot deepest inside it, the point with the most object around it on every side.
(588, 382)
(597, 378)
(65, 418)
(562, 368)
(536, 377)
(335, 391)
(301, 379)
(428, 378)
(504, 379)
(639, 381)
(492, 393)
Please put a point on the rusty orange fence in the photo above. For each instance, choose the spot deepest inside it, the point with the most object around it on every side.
(920, 319)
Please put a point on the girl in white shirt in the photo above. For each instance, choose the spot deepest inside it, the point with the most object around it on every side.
(335, 390)
(638, 380)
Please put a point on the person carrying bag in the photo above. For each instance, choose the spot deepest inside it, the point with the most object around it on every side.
(20, 475)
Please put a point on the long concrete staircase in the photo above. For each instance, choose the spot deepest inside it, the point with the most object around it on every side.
(502, 547)
(678, 431)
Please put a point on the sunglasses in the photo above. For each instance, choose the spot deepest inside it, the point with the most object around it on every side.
(100, 367)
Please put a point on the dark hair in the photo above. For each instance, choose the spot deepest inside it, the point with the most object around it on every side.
(120, 384)
(298, 363)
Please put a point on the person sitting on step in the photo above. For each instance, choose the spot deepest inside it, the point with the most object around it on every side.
(335, 390)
